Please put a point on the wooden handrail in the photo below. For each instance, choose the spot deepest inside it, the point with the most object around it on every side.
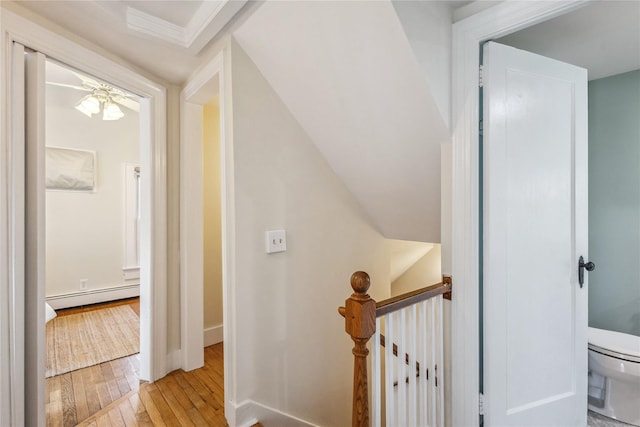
(405, 300)
(360, 312)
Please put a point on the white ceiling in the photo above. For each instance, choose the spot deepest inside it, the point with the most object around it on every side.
(352, 81)
(603, 37)
(162, 37)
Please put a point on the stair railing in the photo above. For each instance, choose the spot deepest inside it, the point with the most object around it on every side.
(413, 324)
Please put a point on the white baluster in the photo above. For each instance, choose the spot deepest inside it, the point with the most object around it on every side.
(376, 395)
(432, 350)
(424, 364)
(402, 377)
(389, 370)
(441, 360)
(413, 348)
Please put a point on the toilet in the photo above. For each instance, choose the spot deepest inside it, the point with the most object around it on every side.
(614, 375)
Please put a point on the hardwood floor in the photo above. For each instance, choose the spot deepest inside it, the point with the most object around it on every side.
(109, 394)
(114, 398)
(193, 398)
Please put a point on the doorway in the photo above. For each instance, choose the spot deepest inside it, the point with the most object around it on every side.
(196, 109)
(23, 207)
(604, 38)
(469, 33)
(92, 244)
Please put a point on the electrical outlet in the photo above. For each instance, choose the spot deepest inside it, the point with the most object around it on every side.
(276, 241)
(83, 283)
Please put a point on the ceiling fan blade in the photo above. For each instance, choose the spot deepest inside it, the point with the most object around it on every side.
(128, 102)
(88, 81)
(84, 89)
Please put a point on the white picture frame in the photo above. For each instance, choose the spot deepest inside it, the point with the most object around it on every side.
(69, 169)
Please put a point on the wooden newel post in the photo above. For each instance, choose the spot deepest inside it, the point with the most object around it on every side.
(359, 313)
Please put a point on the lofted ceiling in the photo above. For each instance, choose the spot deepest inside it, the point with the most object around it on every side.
(350, 78)
(360, 83)
(163, 37)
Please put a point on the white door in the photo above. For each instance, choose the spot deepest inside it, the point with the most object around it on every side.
(535, 230)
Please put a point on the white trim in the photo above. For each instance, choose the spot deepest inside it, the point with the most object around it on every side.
(203, 26)
(130, 273)
(213, 335)
(209, 21)
(153, 143)
(12, 199)
(250, 412)
(216, 74)
(93, 296)
(199, 89)
(499, 20)
(191, 241)
(146, 23)
(174, 360)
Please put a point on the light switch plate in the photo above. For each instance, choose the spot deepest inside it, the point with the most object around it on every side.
(276, 241)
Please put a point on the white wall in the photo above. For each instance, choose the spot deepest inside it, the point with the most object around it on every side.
(85, 231)
(292, 352)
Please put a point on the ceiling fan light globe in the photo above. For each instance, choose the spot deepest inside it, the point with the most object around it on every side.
(90, 104)
(80, 108)
(112, 112)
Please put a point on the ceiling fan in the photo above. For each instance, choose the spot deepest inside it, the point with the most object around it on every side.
(101, 97)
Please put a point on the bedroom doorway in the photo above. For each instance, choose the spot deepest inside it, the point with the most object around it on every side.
(92, 244)
(27, 209)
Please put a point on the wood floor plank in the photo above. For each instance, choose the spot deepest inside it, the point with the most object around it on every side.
(69, 418)
(104, 397)
(151, 407)
(110, 379)
(174, 405)
(80, 396)
(127, 413)
(103, 420)
(90, 379)
(115, 417)
(136, 404)
(178, 392)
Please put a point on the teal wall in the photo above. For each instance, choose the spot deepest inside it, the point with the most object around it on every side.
(614, 202)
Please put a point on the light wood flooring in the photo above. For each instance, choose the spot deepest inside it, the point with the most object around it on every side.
(110, 394)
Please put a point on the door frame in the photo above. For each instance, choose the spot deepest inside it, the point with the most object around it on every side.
(15, 28)
(493, 22)
(212, 78)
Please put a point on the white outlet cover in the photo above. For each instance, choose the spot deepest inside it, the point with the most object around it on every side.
(276, 241)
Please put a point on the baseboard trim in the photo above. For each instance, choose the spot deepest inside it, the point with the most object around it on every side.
(213, 335)
(93, 296)
(249, 413)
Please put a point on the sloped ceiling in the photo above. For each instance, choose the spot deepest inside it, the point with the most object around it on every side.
(347, 73)
(404, 255)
